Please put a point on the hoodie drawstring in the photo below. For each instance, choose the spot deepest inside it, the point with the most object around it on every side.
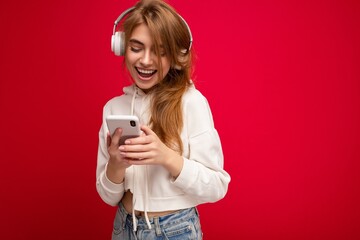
(133, 101)
(133, 203)
(134, 182)
(146, 198)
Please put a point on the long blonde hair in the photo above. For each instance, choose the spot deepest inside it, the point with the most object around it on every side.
(168, 30)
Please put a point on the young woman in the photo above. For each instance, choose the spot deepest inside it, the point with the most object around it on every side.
(159, 178)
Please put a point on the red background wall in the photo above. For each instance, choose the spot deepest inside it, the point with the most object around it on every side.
(283, 81)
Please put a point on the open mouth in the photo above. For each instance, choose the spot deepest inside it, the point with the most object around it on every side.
(145, 73)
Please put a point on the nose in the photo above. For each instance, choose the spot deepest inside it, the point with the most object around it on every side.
(147, 58)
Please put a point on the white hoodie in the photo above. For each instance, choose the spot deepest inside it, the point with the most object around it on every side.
(202, 178)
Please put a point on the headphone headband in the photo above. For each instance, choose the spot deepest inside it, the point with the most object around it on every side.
(122, 15)
(118, 39)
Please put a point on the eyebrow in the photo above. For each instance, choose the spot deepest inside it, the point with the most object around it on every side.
(136, 41)
(140, 43)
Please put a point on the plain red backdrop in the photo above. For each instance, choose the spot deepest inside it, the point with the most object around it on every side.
(283, 82)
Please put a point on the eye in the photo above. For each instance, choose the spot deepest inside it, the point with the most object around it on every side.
(162, 53)
(135, 50)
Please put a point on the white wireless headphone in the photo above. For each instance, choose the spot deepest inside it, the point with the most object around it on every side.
(118, 37)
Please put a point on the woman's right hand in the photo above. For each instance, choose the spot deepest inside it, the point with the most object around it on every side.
(117, 164)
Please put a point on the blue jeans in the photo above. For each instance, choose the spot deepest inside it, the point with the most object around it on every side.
(181, 225)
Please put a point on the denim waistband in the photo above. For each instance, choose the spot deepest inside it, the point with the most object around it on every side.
(156, 222)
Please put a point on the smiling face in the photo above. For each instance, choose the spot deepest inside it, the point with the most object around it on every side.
(142, 61)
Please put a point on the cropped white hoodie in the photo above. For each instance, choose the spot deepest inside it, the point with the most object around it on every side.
(202, 178)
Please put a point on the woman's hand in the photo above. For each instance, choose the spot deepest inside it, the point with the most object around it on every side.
(148, 149)
(117, 164)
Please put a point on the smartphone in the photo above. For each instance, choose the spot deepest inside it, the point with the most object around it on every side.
(128, 123)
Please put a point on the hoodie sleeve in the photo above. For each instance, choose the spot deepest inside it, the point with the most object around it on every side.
(203, 175)
(110, 192)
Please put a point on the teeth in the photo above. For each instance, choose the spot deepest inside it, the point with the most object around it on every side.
(146, 71)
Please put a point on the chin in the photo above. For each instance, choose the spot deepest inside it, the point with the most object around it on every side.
(145, 87)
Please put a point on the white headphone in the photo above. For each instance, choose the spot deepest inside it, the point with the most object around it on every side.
(118, 37)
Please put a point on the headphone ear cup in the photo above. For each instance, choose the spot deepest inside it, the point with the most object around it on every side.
(182, 58)
(118, 43)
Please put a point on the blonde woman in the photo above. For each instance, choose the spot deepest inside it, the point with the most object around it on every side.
(159, 178)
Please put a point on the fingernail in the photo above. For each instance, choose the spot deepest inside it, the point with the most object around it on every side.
(121, 148)
(127, 142)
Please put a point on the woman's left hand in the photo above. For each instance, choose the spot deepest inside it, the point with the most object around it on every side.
(148, 149)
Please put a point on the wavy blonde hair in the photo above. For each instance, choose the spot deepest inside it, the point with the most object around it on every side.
(170, 32)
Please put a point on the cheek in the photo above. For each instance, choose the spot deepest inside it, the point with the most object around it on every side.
(128, 65)
(166, 66)
(130, 58)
